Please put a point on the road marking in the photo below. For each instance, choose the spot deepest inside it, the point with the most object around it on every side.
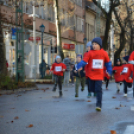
(129, 130)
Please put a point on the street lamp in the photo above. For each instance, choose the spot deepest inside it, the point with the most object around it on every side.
(42, 28)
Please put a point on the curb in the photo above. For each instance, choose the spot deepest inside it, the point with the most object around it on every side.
(9, 92)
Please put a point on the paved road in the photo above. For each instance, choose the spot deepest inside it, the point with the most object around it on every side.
(50, 114)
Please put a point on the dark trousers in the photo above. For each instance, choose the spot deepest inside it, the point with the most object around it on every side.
(87, 82)
(58, 81)
(126, 85)
(96, 86)
(72, 77)
(107, 81)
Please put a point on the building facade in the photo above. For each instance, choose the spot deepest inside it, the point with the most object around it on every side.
(71, 15)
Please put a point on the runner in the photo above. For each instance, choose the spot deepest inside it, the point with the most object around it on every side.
(131, 61)
(106, 77)
(96, 59)
(80, 76)
(57, 69)
(89, 47)
(117, 69)
(127, 73)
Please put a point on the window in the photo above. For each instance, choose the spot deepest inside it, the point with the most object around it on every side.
(41, 11)
(66, 19)
(79, 2)
(51, 14)
(80, 24)
(45, 10)
(72, 22)
(29, 8)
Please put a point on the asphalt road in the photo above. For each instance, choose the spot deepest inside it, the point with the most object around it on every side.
(49, 114)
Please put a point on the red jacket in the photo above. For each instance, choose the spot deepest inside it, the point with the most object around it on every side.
(86, 67)
(57, 68)
(132, 58)
(96, 60)
(105, 73)
(127, 71)
(117, 76)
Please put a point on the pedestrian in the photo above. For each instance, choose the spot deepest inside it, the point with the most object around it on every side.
(72, 74)
(96, 59)
(127, 74)
(131, 61)
(67, 62)
(88, 48)
(117, 69)
(106, 77)
(80, 76)
(57, 69)
(7, 64)
(42, 68)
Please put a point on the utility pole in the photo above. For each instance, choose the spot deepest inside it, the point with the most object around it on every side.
(20, 73)
(34, 56)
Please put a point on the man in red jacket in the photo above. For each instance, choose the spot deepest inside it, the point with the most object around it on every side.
(96, 59)
(58, 68)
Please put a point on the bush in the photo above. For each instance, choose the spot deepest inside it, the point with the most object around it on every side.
(9, 83)
(48, 77)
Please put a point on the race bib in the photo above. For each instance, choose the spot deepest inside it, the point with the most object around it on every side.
(97, 64)
(58, 69)
(125, 70)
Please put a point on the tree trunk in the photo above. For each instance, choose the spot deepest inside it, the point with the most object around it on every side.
(131, 43)
(58, 28)
(3, 68)
(108, 22)
(122, 45)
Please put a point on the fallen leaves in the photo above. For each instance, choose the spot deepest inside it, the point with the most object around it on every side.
(113, 132)
(18, 95)
(43, 90)
(16, 118)
(113, 97)
(117, 108)
(27, 110)
(30, 125)
(122, 105)
(1, 116)
(47, 88)
(88, 101)
(11, 121)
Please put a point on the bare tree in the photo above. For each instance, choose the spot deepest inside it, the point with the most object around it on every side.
(123, 27)
(108, 15)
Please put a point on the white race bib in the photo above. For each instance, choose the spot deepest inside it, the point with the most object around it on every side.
(125, 70)
(58, 69)
(97, 64)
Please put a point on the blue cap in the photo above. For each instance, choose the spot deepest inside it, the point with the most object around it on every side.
(79, 55)
(126, 58)
(97, 40)
(58, 57)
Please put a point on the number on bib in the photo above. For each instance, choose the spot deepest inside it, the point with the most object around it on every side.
(97, 64)
(125, 70)
(58, 69)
